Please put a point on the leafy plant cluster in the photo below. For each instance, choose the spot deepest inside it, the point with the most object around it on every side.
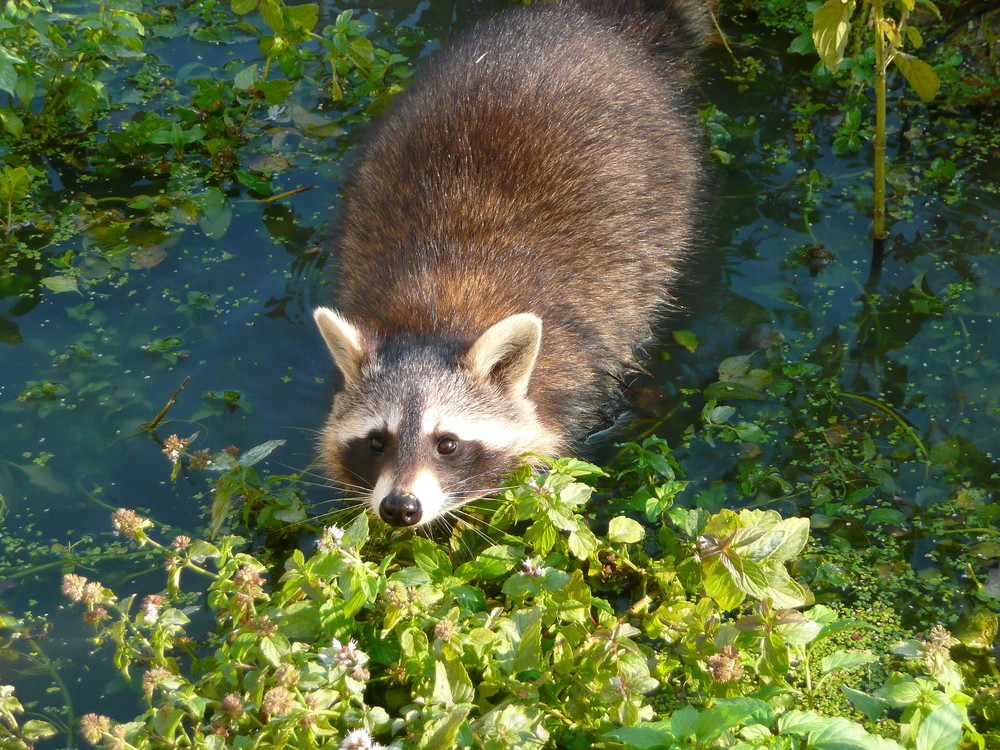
(946, 54)
(84, 90)
(540, 632)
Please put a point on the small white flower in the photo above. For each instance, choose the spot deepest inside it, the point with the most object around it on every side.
(331, 539)
(531, 569)
(150, 614)
(359, 739)
(346, 655)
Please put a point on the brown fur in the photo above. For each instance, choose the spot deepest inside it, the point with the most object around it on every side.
(546, 163)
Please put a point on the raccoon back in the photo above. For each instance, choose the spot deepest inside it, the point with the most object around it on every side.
(545, 163)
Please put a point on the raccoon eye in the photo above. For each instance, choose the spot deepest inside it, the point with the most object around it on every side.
(376, 444)
(447, 446)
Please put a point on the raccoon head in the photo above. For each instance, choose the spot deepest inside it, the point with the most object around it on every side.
(423, 426)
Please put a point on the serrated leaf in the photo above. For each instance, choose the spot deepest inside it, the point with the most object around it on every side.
(625, 530)
(270, 651)
(529, 649)
(441, 733)
(830, 26)
(919, 75)
(582, 543)
(430, 558)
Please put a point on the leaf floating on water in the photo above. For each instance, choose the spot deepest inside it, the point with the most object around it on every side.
(60, 283)
(147, 257)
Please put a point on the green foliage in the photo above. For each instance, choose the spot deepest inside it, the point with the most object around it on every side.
(517, 639)
(14, 736)
(187, 140)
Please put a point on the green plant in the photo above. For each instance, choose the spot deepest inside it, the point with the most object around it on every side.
(516, 638)
(890, 34)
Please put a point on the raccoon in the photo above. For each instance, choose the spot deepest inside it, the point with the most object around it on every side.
(513, 225)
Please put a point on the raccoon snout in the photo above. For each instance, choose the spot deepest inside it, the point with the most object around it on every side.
(401, 509)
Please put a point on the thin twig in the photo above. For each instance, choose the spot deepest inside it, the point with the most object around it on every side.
(287, 193)
(150, 426)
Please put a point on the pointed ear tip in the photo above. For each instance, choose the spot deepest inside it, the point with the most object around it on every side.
(327, 317)
(524, 318)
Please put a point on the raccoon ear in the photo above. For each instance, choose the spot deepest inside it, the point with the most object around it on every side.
(507, 351)
(344, 341)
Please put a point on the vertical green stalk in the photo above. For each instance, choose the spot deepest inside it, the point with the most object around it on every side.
(880, 66)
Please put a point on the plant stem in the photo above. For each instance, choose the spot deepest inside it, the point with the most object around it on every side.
(880, 69)
(46, 663)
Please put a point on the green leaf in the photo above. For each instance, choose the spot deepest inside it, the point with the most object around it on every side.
(801, 722)
(643, 736)
(441, 733)
(529, 650)
(686, 339)
(259, 453)
(270, 651)
(302, 17)
(60, 283)
(830, 26)
(35, 729)
(941, 729)
(919, 75)
(845, 660)
(275, 92)
(242, 7)
(901, 690)
(625, 530)
(802, 44)
(870, 705)
(245, 78)
(8, 76)
(683, 722)
(221, 504)
(11, 122)
(832, 733)
(430, 558)
(357, 533)
(492, 562)
(582, 543)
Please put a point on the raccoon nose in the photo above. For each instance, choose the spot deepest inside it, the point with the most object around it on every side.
(400, 509)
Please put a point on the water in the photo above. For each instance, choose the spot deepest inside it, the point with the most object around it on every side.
(240, 307)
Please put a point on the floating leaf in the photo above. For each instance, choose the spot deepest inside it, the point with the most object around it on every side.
(60, 283)
(686, 339)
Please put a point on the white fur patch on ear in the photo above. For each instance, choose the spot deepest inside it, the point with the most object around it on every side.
(344, 341)
(506, 353)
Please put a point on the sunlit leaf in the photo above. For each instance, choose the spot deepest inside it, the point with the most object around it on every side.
(830, 26)
(919, 75)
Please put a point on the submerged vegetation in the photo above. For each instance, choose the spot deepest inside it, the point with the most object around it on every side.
(796, 546)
